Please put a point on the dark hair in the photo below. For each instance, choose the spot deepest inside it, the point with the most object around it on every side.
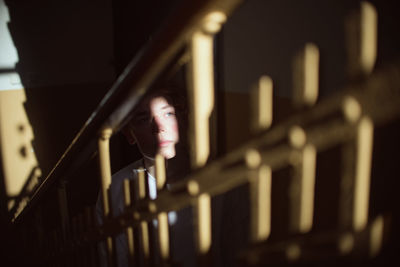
(175, 96)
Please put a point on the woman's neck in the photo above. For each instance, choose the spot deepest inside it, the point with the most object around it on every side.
(176, 168)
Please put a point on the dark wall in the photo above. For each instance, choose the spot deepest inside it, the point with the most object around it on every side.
(134, 24)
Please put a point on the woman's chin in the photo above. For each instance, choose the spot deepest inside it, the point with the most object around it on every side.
(168, 152)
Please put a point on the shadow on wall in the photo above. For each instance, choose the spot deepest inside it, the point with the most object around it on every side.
(65, 64)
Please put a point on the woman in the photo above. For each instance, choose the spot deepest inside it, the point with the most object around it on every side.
(155, 128)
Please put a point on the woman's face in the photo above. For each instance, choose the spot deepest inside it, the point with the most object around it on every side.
(155, 128)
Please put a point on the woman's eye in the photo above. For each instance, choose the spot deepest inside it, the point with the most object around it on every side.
(170, 113)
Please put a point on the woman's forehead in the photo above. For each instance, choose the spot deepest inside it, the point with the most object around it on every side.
(151, 103)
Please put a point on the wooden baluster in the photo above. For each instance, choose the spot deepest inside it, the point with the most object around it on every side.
(105, 167)
(82, 257)
(163, 229)
(376, 236)
(364, 145)
(303, 158)
(161, 176)
(201, 87)
(129, 229)
(202, 220)
(260, 175)
(201, 103)
(306, 76)
(74, 240)
(352, 113)
(203, 223)
(361, 39)
(64, 216)
(105, 174)
(302, 185)
(261, 103)
(144, 226)
(357, 157)
(90, 224)
(355, 180)
(260, 196)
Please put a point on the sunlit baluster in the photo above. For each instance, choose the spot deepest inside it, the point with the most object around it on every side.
(163, 230)
(203, 223)
(261, 103)
(141, 183)
(202, 215)
(302, 188)
(306, 76)
(352, 111)
(201, 86)
(163, 235)
(260, 196)
(129, 229)
(201, 103)
(305, 86)
(160, 171)
(105, 173)
(105, 167)
(357, 157)
(364, 145)
(260, 177)
(362, 40)
(376, 236)
(347, 185)
(144, 227)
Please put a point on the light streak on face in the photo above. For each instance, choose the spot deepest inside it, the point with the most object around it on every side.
(155, 128)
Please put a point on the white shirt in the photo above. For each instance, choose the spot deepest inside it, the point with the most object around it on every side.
(130, 172)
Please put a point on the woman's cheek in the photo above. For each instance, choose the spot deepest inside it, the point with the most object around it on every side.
(175, 129)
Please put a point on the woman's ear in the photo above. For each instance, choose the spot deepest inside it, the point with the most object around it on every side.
(128, 133)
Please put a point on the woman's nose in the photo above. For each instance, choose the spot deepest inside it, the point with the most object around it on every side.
(158, 125)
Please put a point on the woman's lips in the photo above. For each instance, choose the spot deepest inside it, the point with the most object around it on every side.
(164, 143)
